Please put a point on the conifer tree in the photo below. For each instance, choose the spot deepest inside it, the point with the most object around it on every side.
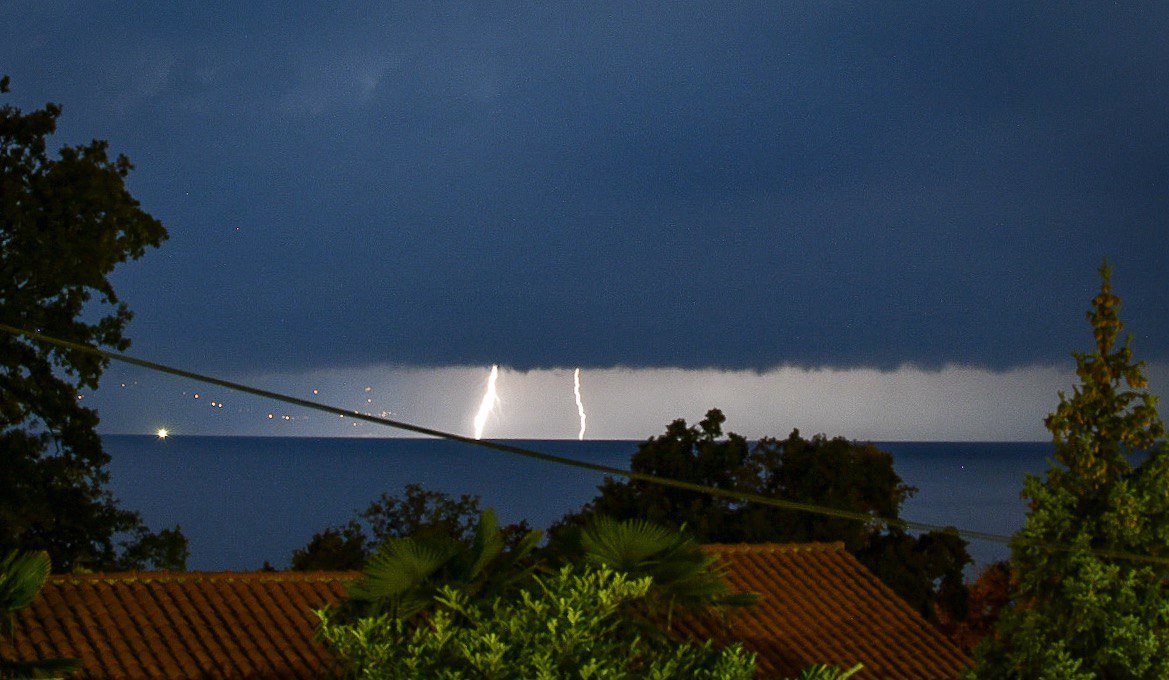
(1091, 598)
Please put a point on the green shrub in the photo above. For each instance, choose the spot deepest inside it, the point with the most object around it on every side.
(566, 625)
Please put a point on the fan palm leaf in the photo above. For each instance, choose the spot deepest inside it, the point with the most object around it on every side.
(680, 571)
(403, 563)
(625, 546)
(403, 575)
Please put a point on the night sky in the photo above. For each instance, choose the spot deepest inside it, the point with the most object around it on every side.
(897, 207)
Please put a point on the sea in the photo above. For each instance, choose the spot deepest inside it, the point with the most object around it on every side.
(244, 501)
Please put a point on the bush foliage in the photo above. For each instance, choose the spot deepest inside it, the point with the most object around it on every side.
(566, 625)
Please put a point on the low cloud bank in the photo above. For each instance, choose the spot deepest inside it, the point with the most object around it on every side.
(954, 403)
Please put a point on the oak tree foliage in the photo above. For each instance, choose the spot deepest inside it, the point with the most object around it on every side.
(836, 473)
(66, 222)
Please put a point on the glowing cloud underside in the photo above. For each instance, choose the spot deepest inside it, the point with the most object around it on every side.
(579, 404)
(488, 403)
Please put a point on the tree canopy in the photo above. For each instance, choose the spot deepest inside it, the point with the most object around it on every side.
(1091, 587)
(65, 224)
(418, 512)
(830, 472)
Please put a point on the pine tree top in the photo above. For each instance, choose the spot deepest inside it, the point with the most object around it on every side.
(1109, 415)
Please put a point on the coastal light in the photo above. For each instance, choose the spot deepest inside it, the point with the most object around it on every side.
(162, 433)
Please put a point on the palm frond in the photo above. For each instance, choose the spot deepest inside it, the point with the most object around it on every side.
(681, 573)
(624, 546)
(47, 668)
(828, 672)
(402, 564)
(21, 576)
(508, 570)
(527, 544)
(487, 545)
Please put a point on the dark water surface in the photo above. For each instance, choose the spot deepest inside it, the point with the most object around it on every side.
(244, 500)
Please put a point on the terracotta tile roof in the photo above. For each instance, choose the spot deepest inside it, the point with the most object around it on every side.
(817, 604)
(181, 625)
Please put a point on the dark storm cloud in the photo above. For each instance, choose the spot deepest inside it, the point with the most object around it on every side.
(667, 185)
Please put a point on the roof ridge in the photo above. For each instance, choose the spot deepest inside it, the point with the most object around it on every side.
(216, 576)
(767, 548)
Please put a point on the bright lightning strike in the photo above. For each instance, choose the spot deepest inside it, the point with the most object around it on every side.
(488, 404)
(579, 403)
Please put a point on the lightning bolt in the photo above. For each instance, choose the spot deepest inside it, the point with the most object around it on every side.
(579, 403)
(488, 404)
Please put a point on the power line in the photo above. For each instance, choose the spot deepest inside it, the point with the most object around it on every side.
(746, 496)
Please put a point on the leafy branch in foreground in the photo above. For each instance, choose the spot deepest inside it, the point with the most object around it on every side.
(566, 625)
(22, 575)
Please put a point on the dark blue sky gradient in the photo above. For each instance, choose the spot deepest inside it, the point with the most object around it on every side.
(677, 184)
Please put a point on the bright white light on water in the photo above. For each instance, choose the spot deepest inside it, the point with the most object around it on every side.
(579, 403)
(488, 404)
(162, 433)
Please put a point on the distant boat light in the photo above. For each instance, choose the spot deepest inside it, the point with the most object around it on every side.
(162, 433)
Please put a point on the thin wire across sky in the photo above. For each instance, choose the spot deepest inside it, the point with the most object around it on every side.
(741, 496)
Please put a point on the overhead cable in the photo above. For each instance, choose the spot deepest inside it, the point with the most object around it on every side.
(743, 496)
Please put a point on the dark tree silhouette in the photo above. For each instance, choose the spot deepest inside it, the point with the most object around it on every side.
(829, 472)
(65, 224)
(418, 513)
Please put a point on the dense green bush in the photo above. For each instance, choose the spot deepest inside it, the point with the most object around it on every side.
(566, 625)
